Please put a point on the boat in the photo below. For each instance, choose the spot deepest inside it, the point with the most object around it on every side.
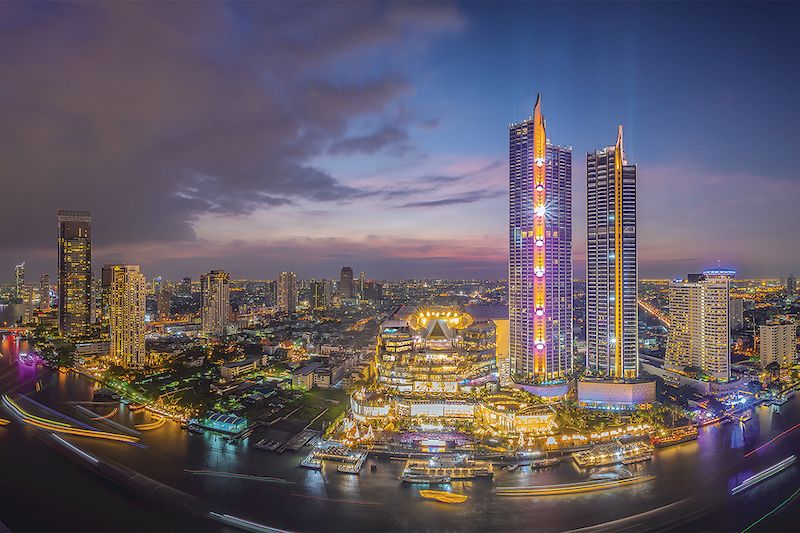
(764, 474)
(451, 467)
(419, 478)
(194, 428)
(612, 475)
(544, 463)
(135, 407)
(614, 453)
(443, 496)
(675, 436)
(349, 468)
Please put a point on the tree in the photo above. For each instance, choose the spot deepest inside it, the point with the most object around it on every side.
(774, 369)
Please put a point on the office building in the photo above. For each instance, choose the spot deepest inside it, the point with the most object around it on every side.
(74, 272)
(736, 314)
(216, 307)
(321, 294)
(163, 302)
(361, 282)
(19, 280)
(126, 300)
(27, 294)
(778, 344)
(540, 259)
(791, 284)
(346, 284)
(44, 293)
(287, 293)
(699, 335)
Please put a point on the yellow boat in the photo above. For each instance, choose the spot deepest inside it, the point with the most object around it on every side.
(443, 496)
(4, 422)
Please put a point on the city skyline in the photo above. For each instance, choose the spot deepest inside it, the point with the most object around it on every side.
(368, 168)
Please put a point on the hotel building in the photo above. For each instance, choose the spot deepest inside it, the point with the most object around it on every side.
(699, 336)
(126, 297)
(540, 259)
(74, 272)
(778, 344)
(216, 307)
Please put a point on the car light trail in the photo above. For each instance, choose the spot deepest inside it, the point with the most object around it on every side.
(764, 474)
(335, 500)
(751, 452)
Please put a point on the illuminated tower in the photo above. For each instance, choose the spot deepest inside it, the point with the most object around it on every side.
(74, 272)
(19, 280)
(126, 301)
(699, 335)
(44, 293)
(215, 291)
(540, 258)
(287, 293)
(612, 272)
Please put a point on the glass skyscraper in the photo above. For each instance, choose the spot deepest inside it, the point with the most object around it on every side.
(74, 272)
(540, 259)
(612, 267)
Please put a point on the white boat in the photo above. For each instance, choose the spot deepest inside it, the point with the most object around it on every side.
(764, 474)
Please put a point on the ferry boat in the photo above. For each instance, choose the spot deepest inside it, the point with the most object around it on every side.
(443, 496)
(676, 436)
(419, 478)
(544, 463)
(764, 474)
(612, 475)
(194, 428)
(452, 467)
(614, 453)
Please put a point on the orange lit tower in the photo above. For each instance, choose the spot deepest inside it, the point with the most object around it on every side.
(612, 271)
(540, 258)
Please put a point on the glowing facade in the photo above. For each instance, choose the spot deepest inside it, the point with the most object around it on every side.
(287, 293)
(612, 268)
(700, 334)
(215, 288)
(126, 294)
(540, 258)
(74, 272)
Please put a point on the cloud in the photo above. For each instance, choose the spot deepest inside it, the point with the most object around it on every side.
(464, 198)
(152, 115)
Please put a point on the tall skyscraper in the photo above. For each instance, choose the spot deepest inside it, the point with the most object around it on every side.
(163, 301)
(287, 293)
(127, 294)
(186, 286)
(346, 283)
(612, 314)
(44, 293)
(74, 272)
(699, 335)
(540, 264)
(319, 295)
(778, 343)
(736, 314)
(216, 305)
(361, 282)
(19, 280)
(27, 295)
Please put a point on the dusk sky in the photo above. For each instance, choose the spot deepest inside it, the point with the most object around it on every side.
(260, 137)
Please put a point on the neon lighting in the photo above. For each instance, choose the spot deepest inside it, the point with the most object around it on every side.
(619, 160)
(748, 454)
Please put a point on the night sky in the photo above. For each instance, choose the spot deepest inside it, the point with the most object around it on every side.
(259, 137)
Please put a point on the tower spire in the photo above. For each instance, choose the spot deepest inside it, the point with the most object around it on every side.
(619, 148)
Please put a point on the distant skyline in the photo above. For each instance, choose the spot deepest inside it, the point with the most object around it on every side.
(260, 137)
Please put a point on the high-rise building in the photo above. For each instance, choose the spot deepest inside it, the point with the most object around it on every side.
(163, 301)
(699, 334)
(27, 295)
(791, 284)
(736, 314)
(287, 292)
(320, 294)
(126, 296)
(361, 282)
(74, 272)
(19, 280)
(216, 307)
(778, 344)
(540, 262)
(346, 283)
(44, 293)
(186, 286)
(612, 268)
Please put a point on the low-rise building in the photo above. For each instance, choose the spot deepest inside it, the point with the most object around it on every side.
(231, 370)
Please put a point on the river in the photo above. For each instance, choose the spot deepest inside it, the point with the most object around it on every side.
(43, 489)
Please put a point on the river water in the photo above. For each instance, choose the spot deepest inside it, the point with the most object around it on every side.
(43, 489)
